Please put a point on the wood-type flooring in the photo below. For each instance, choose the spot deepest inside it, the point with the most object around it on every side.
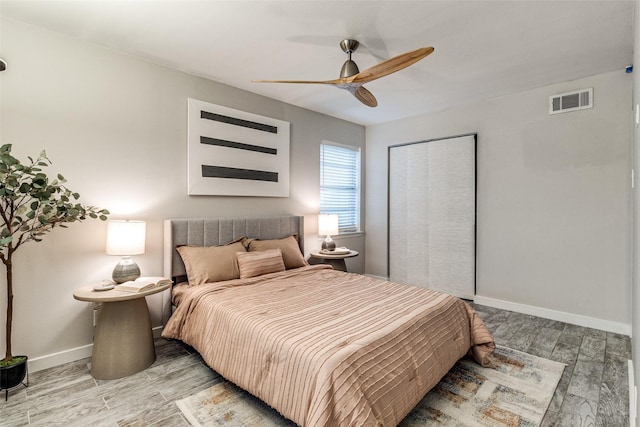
(593, 391)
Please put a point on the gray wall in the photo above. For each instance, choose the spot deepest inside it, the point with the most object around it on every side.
(116, 127)
(554, 198)
(635, 300)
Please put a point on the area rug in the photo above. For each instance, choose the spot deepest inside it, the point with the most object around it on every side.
(516, 393)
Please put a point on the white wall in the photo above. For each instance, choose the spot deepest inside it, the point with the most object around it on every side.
(553, 199)
(116, 127)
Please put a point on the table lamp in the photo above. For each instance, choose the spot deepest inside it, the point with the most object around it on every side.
(125, 238)
(328, 225)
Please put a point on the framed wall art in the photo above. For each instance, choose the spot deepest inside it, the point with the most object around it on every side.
(235, 153)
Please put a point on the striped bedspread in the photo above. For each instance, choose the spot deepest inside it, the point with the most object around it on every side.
(328, 348)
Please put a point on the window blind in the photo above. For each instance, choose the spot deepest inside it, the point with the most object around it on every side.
(340, 184)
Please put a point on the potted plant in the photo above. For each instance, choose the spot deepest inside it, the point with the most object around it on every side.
(31, 205)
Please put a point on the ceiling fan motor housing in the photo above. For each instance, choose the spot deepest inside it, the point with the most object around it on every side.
(349, 45)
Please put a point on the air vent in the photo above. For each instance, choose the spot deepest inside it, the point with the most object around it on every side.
(571, 101)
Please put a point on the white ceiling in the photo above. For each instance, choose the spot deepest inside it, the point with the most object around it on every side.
(483, 48)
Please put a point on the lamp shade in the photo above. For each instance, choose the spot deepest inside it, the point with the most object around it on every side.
(328, 225)
(126, 237)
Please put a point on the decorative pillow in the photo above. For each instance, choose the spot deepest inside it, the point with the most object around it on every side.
(257, 263)
(211, 263)
(291, 254)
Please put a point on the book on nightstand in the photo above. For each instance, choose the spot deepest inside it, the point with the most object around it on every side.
(337, 251)
(142, 284)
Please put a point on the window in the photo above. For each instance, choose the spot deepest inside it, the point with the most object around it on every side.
(340, 184)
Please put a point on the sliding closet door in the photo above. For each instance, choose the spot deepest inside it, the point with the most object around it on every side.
(432, 212)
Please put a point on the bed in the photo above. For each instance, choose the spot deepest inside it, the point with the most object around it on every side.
(322, 347)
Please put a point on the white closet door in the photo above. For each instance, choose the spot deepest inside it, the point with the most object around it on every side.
(432, 215)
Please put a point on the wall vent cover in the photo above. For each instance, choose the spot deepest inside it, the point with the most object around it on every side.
(572, 101)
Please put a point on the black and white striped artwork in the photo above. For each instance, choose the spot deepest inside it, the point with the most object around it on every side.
(235, 153)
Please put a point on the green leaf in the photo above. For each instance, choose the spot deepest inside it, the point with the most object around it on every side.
(34, 203)
(25, 188)
(8, 159)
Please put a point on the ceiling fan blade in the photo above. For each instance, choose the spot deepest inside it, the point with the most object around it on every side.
(365, 97)
(321, 82)
(353, 83)
(392, 65)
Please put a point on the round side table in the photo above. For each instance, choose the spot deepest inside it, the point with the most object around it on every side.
(335, 260)
(123, 340)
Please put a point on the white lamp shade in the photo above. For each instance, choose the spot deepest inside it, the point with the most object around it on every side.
(328, 225)
(126, 237)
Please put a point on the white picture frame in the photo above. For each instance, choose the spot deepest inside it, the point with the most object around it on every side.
(235, 153)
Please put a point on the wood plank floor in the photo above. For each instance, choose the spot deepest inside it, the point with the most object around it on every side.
(593, 390)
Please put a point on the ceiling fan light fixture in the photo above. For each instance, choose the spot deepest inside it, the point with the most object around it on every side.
(349, 68)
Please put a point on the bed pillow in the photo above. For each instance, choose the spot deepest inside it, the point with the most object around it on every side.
(291, 254)
(211, 263)
(257, 263)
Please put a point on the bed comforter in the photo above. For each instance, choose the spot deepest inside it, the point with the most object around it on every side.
(328, 348)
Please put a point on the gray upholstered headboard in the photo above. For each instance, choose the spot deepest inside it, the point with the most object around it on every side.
(220, 231)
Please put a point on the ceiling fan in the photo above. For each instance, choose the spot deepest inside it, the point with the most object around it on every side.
(352, 79)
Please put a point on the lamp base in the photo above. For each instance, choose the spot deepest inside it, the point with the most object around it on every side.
(328, 244)
(126, 270)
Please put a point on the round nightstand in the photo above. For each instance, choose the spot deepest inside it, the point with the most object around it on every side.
(123, 340)
(335, 260)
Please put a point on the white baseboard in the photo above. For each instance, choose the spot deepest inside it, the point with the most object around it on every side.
(62, 357)
(50, 360)
(561, 316)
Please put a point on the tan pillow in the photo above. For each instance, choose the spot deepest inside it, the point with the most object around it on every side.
(257, 263)
(211, 263)
(291, 254)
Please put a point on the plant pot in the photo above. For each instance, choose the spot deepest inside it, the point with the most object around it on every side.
(14, 375)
